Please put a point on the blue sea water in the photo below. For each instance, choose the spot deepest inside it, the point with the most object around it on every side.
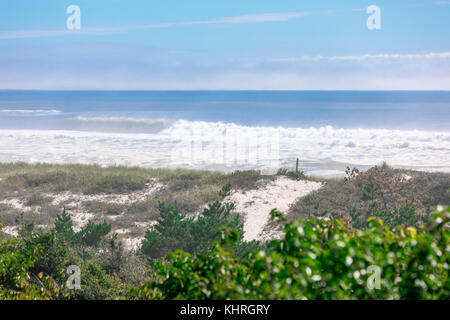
(339, 109)
(327, 130)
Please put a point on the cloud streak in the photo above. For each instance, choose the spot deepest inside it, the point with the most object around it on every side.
(242, 19)
(364, 57)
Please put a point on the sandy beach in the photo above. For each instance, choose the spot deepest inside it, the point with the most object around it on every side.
(256, 204)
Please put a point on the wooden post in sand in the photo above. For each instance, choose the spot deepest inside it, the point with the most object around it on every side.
(296, 166)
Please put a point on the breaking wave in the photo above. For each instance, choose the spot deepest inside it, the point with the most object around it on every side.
(228, 146)
(119, 125)
(38, 112)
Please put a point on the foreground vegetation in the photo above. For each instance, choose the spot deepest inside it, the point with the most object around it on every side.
(372, 235)
(316, 259)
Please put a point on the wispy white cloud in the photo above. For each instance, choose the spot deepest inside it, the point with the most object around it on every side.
(242, 19)
(396, 56)
(430, 55)
(253, 18)
(42, 33)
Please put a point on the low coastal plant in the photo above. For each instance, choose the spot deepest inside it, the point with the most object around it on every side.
(295, 175)
(34, 264)
(394, 195)
(89, 235)
(17, 282)
(316, 259)
(175, 230)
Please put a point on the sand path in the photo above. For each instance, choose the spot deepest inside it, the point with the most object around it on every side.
(256, 204)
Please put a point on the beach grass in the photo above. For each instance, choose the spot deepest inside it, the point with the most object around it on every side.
(32, 187)
(338, 197)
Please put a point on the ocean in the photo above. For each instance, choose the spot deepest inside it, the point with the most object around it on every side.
(228, 130)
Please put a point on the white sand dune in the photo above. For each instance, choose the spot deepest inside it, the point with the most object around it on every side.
(256, 204)
(108, 198)
(73, 201)
(16, 204)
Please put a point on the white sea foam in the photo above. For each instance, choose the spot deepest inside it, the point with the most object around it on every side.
(228, 146)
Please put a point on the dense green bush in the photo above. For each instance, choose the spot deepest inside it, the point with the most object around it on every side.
(316, 259)
(89, 235)
(52, 258)
(64, 227)
(33, 266)
(175, 230)
(16, 279)
(97, 283)
(92, 233)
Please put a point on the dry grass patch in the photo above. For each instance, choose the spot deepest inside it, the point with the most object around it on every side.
(93, 191)
(338, 197)
(8, 215)
(104, 208)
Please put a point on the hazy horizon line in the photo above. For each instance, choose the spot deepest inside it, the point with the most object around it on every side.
(222, 90)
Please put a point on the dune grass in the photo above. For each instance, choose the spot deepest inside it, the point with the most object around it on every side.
(338, 197)
(189, 189)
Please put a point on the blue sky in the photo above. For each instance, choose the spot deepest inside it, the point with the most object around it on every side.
(267, 45)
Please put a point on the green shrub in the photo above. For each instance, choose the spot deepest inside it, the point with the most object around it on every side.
(175, 230)
(97, 284)
(33, 266)
(92, 233)
(64, 227)
(89, 235)
(17, 282)
(316, 260)
(168, 234)
(51, 260)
